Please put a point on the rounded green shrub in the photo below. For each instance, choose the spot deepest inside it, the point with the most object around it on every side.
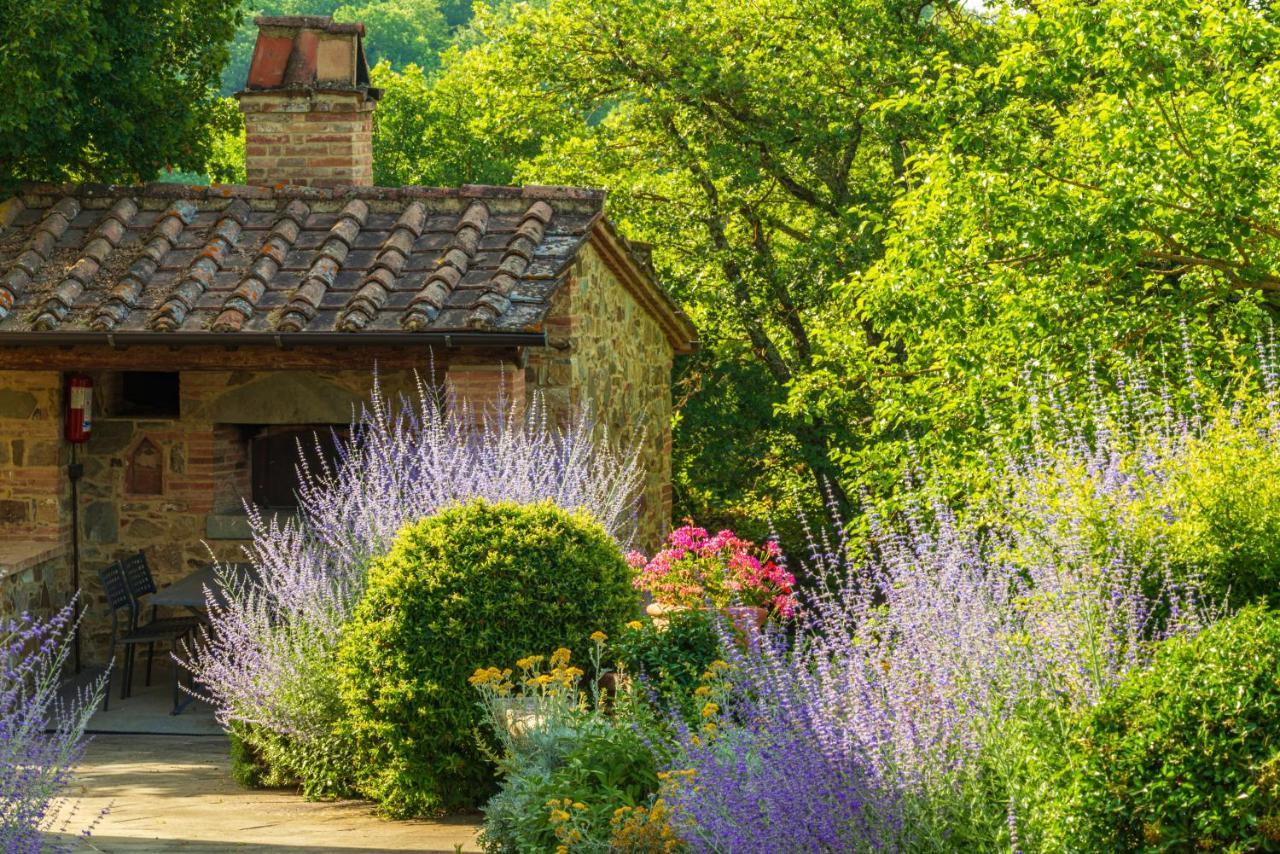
(1185, 755)
(471, 585)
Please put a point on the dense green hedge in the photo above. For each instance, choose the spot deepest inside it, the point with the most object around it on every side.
(474, 585)
(1186, 755)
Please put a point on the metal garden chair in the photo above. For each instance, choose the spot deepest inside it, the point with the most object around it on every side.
(125, 631)
(138, 578)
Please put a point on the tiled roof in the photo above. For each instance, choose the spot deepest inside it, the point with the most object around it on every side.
(172, 260)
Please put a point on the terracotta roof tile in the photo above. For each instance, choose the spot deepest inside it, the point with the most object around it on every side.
(168, 259)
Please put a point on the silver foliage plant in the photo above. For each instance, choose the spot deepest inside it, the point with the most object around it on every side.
(268, 658)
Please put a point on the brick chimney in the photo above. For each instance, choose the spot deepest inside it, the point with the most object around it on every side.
(308, 105)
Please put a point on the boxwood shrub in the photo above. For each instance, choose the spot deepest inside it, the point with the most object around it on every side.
(1186, 754)
(472, 585)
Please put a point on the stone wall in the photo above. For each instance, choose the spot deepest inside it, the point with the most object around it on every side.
(35, 494)
(171, 487)
(607, 349)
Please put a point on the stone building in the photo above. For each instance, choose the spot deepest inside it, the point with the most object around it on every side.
(218, 323)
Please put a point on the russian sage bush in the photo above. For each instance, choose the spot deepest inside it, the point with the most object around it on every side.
(269, 661)
(1195, 496)
(41, 736)
(923, 701)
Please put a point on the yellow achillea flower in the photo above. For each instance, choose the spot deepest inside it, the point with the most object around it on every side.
(560, 657)
(488, 675)
(701, 691)
(599, 637)
(710, 709)
(635, 625)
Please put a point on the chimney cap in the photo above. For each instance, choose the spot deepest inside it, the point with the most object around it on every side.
(323, 23)
(296, 52)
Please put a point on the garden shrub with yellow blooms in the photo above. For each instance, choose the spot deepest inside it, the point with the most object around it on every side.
(571, 756)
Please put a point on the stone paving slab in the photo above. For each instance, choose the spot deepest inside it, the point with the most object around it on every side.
(175, 793)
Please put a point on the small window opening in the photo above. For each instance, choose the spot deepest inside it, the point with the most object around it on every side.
(275, 455)
(150, 394)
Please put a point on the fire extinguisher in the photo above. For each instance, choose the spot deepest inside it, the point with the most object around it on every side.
(79, 408)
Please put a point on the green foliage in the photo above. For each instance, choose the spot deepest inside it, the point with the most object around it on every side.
(480, 582)
(1105, 178)
(740, 141)
(1226, 497)
(571, 757)
(603, 765)
(247, 766)
(226, 157)
(1201, 506)
(673, 657)
(110, 91)
(320, 767)
(401, 32)
(444, 130)
(1185, 755)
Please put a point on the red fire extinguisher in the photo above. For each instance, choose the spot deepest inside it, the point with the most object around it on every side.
(79, 408)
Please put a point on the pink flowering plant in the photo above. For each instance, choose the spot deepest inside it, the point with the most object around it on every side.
(724, 569)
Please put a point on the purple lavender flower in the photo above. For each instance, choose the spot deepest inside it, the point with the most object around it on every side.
(41, 734)
(908, 662)
(269, 657)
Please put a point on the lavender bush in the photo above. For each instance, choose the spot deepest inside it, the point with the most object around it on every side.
(269, 659)
(935, 670)
(41, 736)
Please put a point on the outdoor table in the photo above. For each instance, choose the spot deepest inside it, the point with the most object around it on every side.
(189, 591)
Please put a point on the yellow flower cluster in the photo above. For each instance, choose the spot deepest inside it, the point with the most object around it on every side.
(491, 678)
(562, 812)
(716, 668)
(599, 637)
(560, 676)
(643, 830)
(635, 625)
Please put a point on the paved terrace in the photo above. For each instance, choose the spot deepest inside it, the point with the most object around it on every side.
(170, 789)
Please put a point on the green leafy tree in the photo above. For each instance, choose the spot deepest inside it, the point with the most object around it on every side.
(741, 140)
(109, 90)
(400, 31)
(1103, 190)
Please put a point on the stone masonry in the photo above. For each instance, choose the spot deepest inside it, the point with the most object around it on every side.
(607, 352)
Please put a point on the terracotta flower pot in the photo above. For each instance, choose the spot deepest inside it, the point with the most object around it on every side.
(747, 619)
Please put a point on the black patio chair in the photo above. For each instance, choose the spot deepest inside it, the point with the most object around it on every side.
(130, 635)
(139, 581)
